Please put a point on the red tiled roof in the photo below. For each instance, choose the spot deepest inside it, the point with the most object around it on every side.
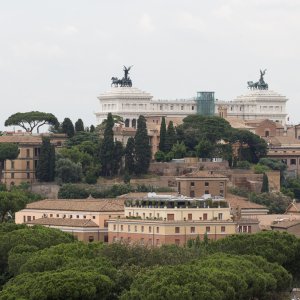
(63, 222)
(242, 203)
(96, 205)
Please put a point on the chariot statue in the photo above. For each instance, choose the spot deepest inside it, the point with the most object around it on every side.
(261, 84)
(125, 81)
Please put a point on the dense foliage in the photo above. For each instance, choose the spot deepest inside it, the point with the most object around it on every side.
(46, 164)
(8, 151)
(47, 264)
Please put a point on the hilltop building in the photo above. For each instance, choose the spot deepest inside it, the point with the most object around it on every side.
(86, 219)
(23, 169)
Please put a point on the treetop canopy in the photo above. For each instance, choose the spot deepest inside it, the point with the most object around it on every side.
(31, 120)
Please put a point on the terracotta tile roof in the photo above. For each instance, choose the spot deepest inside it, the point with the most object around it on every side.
(237, 123)
(20, 139)
(203, 174)
(96, 205)
(283, 141)
(63, 222)
(265, 221)
(30, 139)
(285, 224)
(242, 203)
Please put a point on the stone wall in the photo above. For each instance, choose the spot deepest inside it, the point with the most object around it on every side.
(48, 190)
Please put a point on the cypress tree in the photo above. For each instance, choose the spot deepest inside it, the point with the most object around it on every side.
(162, 135)
(142, 147)
(107, 147)
(79, 125)
(68, 127)
(117, 161)
(92, 128)
(46, 164)
(265, 184)
(129, 156)
(170, 137)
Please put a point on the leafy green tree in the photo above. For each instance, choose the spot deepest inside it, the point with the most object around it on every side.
(92, 128)
(178, 149)
(31, 120)
(72, 191)
(46, 164)
(107, 147)
(67, 171)
(129, 156)
(204, 149)
(162, 135)
(79, 125)
(142, 147)
(8, 151)
(160, 156)
(265, 184)
(170, 137)
(68, 127)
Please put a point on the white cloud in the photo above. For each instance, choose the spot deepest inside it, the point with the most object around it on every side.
(188, 21)
(146, 23)
(64, 30)
(37, 49)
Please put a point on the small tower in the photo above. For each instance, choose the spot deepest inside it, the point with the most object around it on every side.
(205, 103)
(222, 111)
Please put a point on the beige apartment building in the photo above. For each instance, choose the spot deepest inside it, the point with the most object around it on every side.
(86, 219)
(166, 219)
(201, 183)
(23, 169)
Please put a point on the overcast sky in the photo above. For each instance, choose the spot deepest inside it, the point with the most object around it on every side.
(58, 55)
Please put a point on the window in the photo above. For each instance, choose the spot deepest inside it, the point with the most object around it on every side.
(221, 184)
(84, 217)
(157, 229)
(192, 107)
(206, 192)
(222, 228)
(115, 227)
(249, 229)
(192, 183)
(94, 217)
(28, 218)
(33, 218)
(293, 161)
(57, 215)
(192, 194)
(12, 163)
(12, 175)
(91, 238)
(122, 227)
(135, 228)
(77, 216)
(193, 230)
(128, 228)
(142, 229)
(160, 107)
(204, 216)
(51, 215)
(28, 175)
(179, 188)
(177, 242)
(24, 219)
(130, 214)
(221, 192)
(220, 216)
(170, 217)
(150, 229)
(157, 242)
(177, 229)
(206, 183)
(27, 152)
(71, 216)
(149, 241)
(207, 229)
(190, 217)
(181, 107)
(244, 228)
(27, 165)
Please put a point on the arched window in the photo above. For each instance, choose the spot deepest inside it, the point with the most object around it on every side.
(127, 123)
(134, 123)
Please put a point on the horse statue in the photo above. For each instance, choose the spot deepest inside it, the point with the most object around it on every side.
(252, 85)
(116, 81)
